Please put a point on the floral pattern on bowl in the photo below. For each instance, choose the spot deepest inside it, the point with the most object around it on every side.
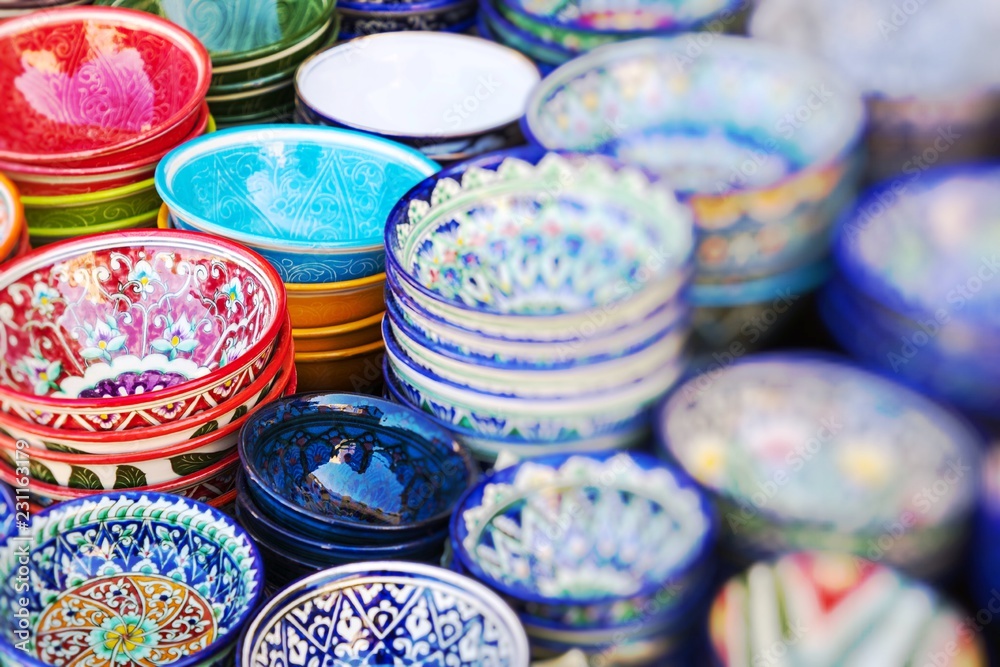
(386, 613)
(94, 331)
(160, 579)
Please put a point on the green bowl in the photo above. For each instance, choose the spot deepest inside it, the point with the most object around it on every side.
(276, 115)
(40, 237)
(253, 102)
(254, 84)
(92, 209)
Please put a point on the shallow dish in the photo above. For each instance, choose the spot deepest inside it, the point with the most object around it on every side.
(489, 633)
(161, 76)
(91, 209)
(340, 337)
(109, 334)
(336, 236)
(125, 552)
(12, 223)
(352, 467)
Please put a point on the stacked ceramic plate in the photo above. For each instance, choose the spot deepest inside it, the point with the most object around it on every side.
(360, 18)
(82, 144)
(255, 49)
(764, 157)
(917, 291)
(803, 452)
(313, 201)
(535, 301)
(452, 97)
(552, 33)
(10, 9)
(133, 358)
(610, 554)
(330, 479)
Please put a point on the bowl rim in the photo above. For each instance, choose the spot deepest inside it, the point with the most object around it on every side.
(84, 198)
(336, 355)
(250, 94)
(66, 233)
(177, 239)
(338, 329)
(18, 224)
(249, 137)
(286, 43)
(135, 20)
(728, 7)
(363, 42)
(390, 7)
(220, 644)
(455, 449)
(489, 13)
(354, 283)
(305, 42)
(294, 591)
(641, 460)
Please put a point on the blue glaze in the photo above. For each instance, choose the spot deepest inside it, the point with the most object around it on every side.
(796, 282)
(493, 26)
(8, 512)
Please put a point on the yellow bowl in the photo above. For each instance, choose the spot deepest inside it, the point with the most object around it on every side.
(358, 369)
(339, 337)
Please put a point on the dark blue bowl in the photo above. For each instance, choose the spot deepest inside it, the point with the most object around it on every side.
(352, 468)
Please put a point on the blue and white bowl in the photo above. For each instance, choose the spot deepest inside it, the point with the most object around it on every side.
(312, 200)
(386, 613)
(127, 578)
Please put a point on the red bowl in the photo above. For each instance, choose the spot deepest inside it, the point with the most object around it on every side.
(81, 82)
(46, 180)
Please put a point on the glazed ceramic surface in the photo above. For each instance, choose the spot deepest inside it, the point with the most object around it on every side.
(830, 609)
(454, 18)
(251, 185)
(11, 217)
(636, 15)
(341, 337)
(493, 25)
(346, 462)
(388, 612)
(8, 512)
(355, 369)
(87, 81)
(131, 578)
(91, 209)
(324, 305)
(133, 328)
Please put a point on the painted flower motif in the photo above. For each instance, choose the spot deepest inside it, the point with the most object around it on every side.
(235, 350)
(105, 421)
(102, 339)
(169, 411)
(128, 639)
(178, 336)
(144, 276)
(43, 298)
(233, 293)
(41, 374)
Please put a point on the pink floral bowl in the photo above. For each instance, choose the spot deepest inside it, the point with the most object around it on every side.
(131, 329)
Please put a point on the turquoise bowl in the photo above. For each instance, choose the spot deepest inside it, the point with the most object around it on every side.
(312, 200)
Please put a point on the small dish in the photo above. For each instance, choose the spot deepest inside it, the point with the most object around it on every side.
(488, 634)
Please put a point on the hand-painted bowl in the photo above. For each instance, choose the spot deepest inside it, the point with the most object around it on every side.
(355, 369)
(755, 138)
(91, 209)
(528, 243)
(249, 102)
(111, 329)
(605, 533)
(238, 32)
(90, 81)
(44, 237)
(340, 337)
(144, 576)
(427, 603)
(312, 200)
(867, 610)
(352, 467)
(453, 18)
(12, 223)
(628, 19)
(802, 452)
(503, 31)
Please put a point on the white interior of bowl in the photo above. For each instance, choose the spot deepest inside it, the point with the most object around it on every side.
(419, 84)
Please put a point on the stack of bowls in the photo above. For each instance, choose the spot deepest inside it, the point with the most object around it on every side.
(933, 95)
(255, 49)
(453, 97)
(764, 154)
(917, 290)
(10, 9)
(313, 201)
(984, 573)
(361, 18)
(802, 452)
(608, 553)
(385, 613)
(127, 579)
(330, 479)
(14, 240)
(94, 97)
(552, 33)
(131, 360)
(535, 301)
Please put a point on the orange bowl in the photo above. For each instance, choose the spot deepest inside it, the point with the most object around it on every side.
(357, 370)
(339, 337)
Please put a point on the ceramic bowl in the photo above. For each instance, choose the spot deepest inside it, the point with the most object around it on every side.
(8, 512)
(91, 209)
(499, 28)
(636, 528)
(340, 337)
(489, 633)
(760, 173)
(245, 103)
(452, 18)
(862, 599)
(54, 180)
(456, 253)
(355, 369)
(336, 237)
(12, 223)
(44, 237)
(112, 335)
(352, 467)
(830, 434)
(320, 305)
(161, 77)
(278, 116)
(112, 574)
(410, 69)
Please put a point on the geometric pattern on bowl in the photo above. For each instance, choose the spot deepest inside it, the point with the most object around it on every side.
(95, 331)
(143, 579)
(385, 613)
(625, 19)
